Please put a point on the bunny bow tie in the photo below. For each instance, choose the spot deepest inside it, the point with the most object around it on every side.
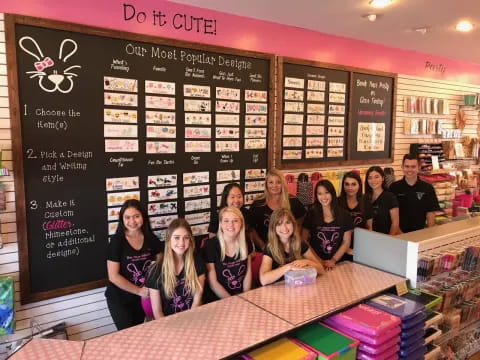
(40, 65)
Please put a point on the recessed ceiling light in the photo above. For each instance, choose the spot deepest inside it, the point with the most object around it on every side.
(380, 3)
(371, 17)
(464, 26)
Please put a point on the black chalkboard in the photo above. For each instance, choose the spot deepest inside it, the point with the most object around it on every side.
(102, 116)
(314, 117)
(334, 101)
(372, 116)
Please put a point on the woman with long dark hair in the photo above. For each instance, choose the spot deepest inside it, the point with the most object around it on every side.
(351, 199)
(130, 253)
(328, 226)
(384, 204)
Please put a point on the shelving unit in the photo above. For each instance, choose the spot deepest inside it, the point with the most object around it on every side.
(400, 255)
(424, 152)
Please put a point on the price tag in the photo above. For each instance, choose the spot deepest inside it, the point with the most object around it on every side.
(401, 288)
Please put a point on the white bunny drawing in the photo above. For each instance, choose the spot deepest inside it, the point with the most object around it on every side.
(56, 81)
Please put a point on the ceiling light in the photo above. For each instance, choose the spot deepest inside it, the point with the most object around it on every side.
(464, 26)
(380, 3)
(371, 17)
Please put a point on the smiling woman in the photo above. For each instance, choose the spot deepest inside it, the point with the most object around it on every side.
(130, 253)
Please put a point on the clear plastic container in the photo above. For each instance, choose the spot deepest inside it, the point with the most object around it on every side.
(300, 277)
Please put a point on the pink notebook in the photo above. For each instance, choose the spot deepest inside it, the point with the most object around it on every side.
(368, 339)
(366, 320)
(377, 349)
(382, 356)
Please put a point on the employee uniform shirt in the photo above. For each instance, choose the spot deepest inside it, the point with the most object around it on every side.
(182, 298)
(326, 238)
(414, 203)
(260, 215)
(134, 264)
(230, 271)
(288, 256)
(382, 221)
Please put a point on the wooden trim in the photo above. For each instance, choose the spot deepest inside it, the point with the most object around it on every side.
(308, 165)
(27, 296)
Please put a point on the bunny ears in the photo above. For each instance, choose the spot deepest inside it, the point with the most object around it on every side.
(37, 53)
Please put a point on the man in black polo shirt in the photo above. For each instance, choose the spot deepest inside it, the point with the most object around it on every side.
(416, 198)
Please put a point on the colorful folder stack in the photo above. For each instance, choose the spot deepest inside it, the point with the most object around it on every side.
(283, 349)
(377, 331)
(327, 343)
(412, 315)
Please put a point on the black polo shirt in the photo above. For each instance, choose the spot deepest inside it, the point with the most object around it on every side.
(414, 203)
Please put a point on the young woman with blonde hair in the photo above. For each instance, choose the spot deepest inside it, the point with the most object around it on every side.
(285, 250)
(176, 281)
(227, 256)
(275, 196)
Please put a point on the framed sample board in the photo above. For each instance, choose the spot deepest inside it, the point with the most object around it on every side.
(332, 115)
(101, 116)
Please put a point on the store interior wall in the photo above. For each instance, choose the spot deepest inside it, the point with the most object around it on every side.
(86, 313)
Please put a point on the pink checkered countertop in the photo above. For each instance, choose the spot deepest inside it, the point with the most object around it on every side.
(211, 331)
(347, 284)
(50, 349)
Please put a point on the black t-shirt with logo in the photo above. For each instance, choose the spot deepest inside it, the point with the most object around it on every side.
(414, 203)
(230, 271)
(260, 215)
(134, 264)
(182, 299)
(288, 256)
(382, 221)
(326, 238)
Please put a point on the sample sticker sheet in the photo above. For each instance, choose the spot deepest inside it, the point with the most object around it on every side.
(314, 112)
(198, 136)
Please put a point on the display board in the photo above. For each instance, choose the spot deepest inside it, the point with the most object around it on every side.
(324, 107)
(372, 129)
(100, 117)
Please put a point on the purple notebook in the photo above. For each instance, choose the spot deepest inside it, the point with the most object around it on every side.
(382, 356)
(415, 321)
(366, 320)
(405, 309)
(413, 332)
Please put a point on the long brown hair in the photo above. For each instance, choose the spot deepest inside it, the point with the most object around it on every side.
(168, 277)
(275, 244)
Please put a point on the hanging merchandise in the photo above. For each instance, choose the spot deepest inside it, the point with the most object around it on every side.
(460, 119)
(316, 177)
(304, 189)
(291, 184)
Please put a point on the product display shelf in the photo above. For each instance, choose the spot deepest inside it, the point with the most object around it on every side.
(237, 324)
(399, 254)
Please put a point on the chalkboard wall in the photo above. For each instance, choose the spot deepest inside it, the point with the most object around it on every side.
(333, 115)
(103, 116)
